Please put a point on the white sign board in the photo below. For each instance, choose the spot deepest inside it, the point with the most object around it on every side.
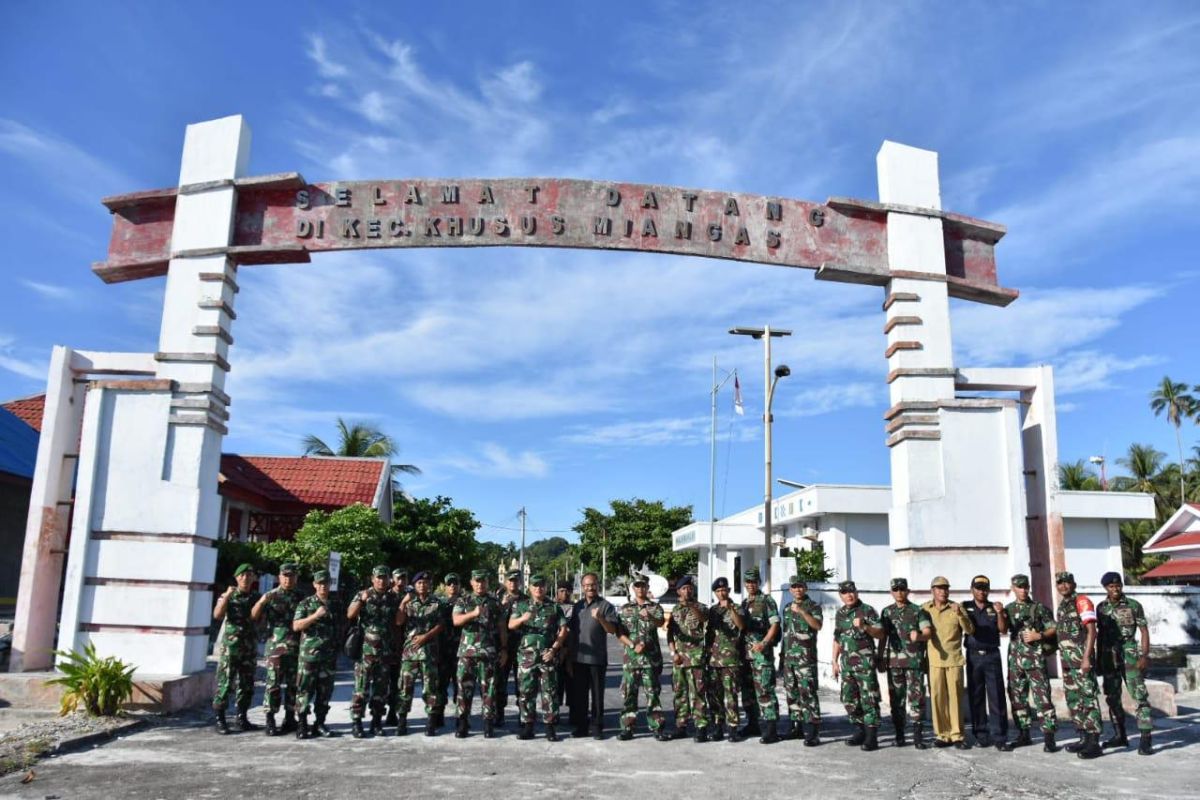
(335, 567)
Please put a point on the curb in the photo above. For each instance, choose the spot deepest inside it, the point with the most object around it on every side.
(92, 739)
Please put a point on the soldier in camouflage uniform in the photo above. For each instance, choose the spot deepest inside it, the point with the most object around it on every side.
(725, 626)
(421, 616)
(1030, 631)
(279, 608)
(1124, 651)
(761, 614)
(802, 620)
(539, 627)
(314, 622)
(239, 653)
(483, 640)
(637, 630)
(906, 628)
(401, 588)
(856, 626)
(510, 594)
(376, 609)
(1076, 632)
(448, 649)
(687, 633)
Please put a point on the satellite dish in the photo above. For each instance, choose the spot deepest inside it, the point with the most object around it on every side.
(658, 585)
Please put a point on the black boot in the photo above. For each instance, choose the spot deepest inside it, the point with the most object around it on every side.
(377, 726)
(869, 742)
(431, 729)
(919, 736)
(1119, 738)
(489, 729)
(1144, 748)
(551, 733)
(1004, 746)
(302, 728)
(1077, 745)
(1091, 747)
(1023, 739)
(437, 719)
(771, 734)
(222, 725)
(392, 718)
(701, 735)
(898, 724)
(718, 733)
(1048, 744)
(319, 728)
(245, 724)
(527, 732)
(860, 736)
(796, 731)
(812, 736)
(625, 735)
(463, 729)
(751, 728)
(271, 729)
(402, 725)
(735, 735)
(680, 731)
(289, 721)
(356, 729)
(499, 720)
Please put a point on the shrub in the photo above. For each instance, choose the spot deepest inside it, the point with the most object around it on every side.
(98, 685)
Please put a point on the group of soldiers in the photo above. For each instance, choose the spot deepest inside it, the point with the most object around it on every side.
(455, 642)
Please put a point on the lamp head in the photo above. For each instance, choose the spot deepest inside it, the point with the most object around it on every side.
(782, 371)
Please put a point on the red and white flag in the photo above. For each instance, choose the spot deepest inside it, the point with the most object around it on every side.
(738, 408)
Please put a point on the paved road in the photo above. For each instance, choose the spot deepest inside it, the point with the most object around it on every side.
(181, 758)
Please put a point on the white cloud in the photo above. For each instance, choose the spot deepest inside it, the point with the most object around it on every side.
(62, 165)
(496, 461)
(25, 367)
(1089, 370)
(659, 432)
(50, 291)
(319, 53)
(830, 398)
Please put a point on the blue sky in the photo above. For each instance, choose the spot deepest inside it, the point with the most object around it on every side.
(562, 379)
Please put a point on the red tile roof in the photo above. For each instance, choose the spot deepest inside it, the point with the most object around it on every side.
(1176, 568)
(29, 409)
(1183, 539)
(304, 480)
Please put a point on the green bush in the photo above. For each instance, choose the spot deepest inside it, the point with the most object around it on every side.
(98, 685)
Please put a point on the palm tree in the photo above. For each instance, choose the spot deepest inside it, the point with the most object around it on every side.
(1173, 398)
(1145, 465)
(358, 441)
(1077, 477)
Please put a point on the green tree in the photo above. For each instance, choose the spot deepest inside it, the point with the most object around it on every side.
(359, 440)
(433, 535)
(356, 532)
(1173, 399)
(637, 532)
(1077, 476)
(540, 554)
(810, 565)
(1145, 465)
(1134, 535)
(490, 554)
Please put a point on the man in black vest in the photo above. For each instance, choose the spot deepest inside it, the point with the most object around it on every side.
(985, 677)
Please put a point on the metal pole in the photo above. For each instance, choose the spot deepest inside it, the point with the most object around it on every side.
(766, 586)
(604, 563)
(522, 513)
(712, 484)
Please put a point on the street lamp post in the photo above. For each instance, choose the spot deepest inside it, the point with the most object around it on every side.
(766, 334)
(1099, 460)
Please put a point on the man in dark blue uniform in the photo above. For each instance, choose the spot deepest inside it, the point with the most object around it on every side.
(985, 677)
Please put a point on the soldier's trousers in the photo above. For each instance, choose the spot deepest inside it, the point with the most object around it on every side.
(906, 692)
(235, 675)
(689, 690)
(860, 695)
(481, 670)
(370, 687)
(314, 687)
(447, 680)
(723, 685)
(537, 684)
(1135, 683)
(502, 676)
(393, 682)
(428, 674)
(281, 681)
(800, 686)
(1082, 699)
(1029, 688)
(758, 691)
(646, 679)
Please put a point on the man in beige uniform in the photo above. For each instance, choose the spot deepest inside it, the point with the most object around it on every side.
(950, 622)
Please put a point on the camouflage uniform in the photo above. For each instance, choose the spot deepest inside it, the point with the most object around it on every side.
(1028, 682)
(1118, 648)
(377, 615)
(283, 645)
(479, 643)
(239, 654)
(448, 654)
(507, 599)
(537, 680)
(1079, 687)
(799, 651)
(860, 686)
(318, 651)
(758, 674)
(641, 623)
(392, 660)
(724, 666)
(905, 660)
(421, 661)
(687, 631)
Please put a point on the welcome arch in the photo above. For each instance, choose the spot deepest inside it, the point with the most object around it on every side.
(146, 511)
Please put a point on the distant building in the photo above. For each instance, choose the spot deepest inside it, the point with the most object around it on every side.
(1179, 539)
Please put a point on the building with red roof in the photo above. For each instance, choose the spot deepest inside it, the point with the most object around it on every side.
(1179, 539)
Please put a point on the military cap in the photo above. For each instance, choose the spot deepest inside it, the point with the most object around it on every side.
(421, 576)
(451, 577)
(1111, 577)
(720, 583)
(400, 572)
(981, 582)
(899, 584)
(752, 575)
(537, 580)
(686, 580)
(1064, 577)
(642, 579)
(513, 575)
(288, 569)
(1020, 580)
(566, 585)
(244, 568)
(479, 574)
(847, 586)
(796, 580)
(320, 576)
(940, 581)
(380, 572)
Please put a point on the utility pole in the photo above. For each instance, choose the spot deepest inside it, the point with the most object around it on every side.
(521, 514)
(603, 561)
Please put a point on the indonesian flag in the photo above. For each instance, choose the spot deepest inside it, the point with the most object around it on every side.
(738, 408)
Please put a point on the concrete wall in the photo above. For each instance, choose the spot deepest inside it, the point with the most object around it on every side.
(1093, 547)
